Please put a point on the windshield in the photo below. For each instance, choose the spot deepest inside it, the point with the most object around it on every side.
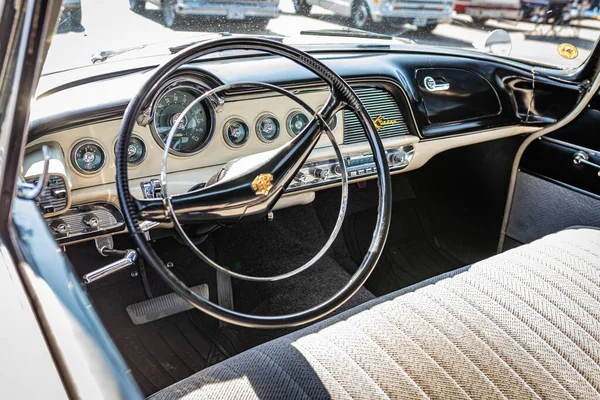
(558, 33)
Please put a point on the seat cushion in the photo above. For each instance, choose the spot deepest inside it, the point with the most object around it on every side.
(522, 324)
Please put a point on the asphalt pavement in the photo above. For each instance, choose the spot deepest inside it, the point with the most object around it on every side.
(110, 25)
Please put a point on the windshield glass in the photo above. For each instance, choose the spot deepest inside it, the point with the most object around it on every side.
(559, 33)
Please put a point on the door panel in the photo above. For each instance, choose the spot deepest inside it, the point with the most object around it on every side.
(553, 192)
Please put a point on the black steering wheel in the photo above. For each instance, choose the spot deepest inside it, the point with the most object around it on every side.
(249, 187)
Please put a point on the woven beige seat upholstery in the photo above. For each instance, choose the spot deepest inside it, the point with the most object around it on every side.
(523, 324)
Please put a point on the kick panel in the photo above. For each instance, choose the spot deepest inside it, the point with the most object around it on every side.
(542, 206)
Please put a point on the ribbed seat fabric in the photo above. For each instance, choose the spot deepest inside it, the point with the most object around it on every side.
(524, 324)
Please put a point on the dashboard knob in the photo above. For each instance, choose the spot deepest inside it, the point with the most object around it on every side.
(91, 220)
(397, 158)
(337, 169)
(321, 173)
(59, 193)
(59, 226)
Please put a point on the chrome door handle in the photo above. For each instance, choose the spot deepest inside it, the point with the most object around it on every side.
(581, 157)
(434, 85)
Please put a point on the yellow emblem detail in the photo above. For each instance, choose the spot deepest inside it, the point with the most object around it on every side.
(568, 51)
(262, 184)
(380, 122)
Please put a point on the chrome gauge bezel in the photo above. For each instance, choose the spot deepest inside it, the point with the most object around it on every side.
(197, 88)
(144, 154)
(335, 120)
(226, 137)
(79, 145)
(291, 115)
(262, 117)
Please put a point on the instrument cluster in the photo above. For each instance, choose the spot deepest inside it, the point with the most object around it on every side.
(195, 129)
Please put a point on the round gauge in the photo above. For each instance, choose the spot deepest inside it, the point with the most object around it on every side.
(136, 151)
(296, 122)
(333, 122)
(193, 132)
(267, 128)
(236, 132)
(88, 157)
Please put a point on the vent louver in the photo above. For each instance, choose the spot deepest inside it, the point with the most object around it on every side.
(378, 102)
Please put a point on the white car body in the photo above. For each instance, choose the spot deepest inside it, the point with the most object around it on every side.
(417, 12)
(486, 9)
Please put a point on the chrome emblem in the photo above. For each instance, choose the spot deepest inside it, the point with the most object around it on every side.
(262, 184)
(380, 122)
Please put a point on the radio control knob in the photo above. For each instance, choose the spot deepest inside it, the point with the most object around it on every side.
(91, 220)
(59, 226)
(321, 173)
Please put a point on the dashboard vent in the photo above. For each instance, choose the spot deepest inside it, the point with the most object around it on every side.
(379, 104)
(54, 197)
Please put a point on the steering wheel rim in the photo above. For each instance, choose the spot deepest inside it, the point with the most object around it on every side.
(339, 88)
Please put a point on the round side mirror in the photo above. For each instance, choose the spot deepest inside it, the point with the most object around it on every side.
(498, 42)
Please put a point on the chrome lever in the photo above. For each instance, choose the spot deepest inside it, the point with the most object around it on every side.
(27, 191)
(127, 261)
(582, 157)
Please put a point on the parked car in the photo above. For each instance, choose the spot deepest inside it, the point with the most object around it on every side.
(70, 17)
(173, 11)
(425, 15)
(543, 10)
(482, 10)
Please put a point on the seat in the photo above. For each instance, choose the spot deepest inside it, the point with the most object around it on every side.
(523, 324)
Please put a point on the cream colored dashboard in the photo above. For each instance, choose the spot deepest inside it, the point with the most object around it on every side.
(216, 153)
(187, 171)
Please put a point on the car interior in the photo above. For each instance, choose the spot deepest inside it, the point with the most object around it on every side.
(249, 220)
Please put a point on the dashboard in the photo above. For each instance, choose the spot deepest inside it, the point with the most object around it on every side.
(420, 104)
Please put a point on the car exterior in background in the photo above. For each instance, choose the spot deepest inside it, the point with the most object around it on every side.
(424, 14)
(482, 10)
(70, 16)
(173, 11)
(543, 10)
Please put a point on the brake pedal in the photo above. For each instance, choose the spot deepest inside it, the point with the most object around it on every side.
(162, 306)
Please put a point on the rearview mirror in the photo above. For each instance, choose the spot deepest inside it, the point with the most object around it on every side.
(498, 42)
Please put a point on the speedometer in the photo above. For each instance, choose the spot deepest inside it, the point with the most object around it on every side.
(193, 132)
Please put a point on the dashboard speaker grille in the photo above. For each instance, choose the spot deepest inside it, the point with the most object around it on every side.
(379, 104)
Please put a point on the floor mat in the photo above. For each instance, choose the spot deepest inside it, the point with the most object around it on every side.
(411, 254)
(169, 350)
(269, 248)
(162, 352)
